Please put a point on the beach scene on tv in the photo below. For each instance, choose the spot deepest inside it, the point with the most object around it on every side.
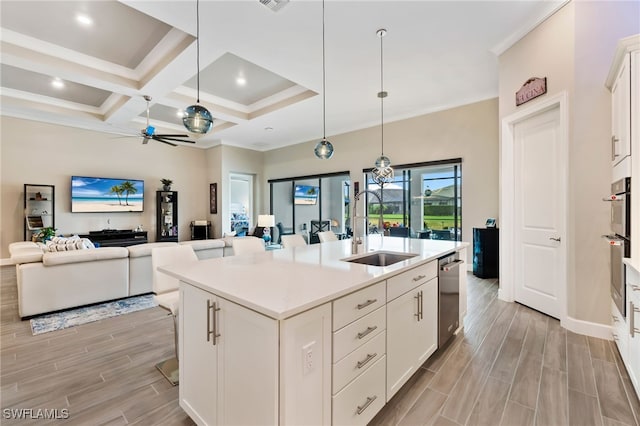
(92, 194)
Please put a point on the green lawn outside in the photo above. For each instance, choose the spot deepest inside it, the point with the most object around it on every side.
(433, 222)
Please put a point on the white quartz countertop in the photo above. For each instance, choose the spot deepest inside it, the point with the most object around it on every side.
(286, 282)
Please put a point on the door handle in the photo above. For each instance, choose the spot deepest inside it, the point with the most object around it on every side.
(555, 239)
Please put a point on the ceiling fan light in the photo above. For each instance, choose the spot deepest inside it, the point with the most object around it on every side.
(197, 119)
(324, 149)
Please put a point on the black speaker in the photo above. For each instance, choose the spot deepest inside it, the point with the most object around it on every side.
(485, 252)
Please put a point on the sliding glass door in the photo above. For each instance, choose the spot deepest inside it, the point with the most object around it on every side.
(423, 201)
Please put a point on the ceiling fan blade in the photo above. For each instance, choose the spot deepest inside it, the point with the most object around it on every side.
(172, 139)
(163, 141)
(173, 136)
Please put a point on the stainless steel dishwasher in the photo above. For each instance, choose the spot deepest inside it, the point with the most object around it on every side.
(448, 297)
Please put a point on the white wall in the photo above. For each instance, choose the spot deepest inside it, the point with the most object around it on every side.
(469, 132)
(574, 49)
(42, 153)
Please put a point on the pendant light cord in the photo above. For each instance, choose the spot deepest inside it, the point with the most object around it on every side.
(324, 113)
(198, 50)
(382, 95)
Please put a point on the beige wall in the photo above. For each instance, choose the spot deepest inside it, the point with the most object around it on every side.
(469, 132)
(574, 49)
(40, 153)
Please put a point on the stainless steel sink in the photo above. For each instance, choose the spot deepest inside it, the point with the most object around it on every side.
(381, 258)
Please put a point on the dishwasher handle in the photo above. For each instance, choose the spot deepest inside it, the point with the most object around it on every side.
(451, 265)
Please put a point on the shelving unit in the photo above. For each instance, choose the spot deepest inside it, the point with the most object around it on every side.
(39, 209)
(167, 216)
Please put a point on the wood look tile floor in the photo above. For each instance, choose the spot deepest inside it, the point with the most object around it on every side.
(511, 366)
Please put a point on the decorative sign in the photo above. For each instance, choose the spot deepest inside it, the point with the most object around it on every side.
(531, 89)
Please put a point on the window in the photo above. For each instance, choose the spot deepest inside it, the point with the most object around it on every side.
(423, 201)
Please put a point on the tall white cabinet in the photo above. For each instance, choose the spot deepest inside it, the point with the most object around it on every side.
(624, 83)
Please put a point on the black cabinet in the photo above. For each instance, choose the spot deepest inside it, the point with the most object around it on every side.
(167, 216)
(116, 237)
(485, 252)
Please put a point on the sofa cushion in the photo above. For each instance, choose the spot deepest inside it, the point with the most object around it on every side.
(88, 255)
(26, 255)
(141, 250)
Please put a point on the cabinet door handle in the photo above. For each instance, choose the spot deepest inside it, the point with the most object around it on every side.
(370, 399)
(615, 318)
(614, 140)
(421, 305)
(635, 287)
(615, 336)
(215, 323)
(632, 319)
(367, 331)
(419, 277)
(417, 314)
(367, 359)
(209, 332)
(367, 303)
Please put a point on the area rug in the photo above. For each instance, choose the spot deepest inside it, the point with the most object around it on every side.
(71, 318)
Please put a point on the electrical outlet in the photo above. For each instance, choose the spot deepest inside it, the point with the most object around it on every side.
(308, 358)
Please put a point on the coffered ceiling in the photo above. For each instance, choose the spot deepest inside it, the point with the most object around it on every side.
(105, 55)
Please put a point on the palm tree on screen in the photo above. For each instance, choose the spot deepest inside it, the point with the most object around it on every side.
(128, 188)
(116, 189)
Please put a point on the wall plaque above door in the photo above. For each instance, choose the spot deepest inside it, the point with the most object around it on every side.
(531, 89)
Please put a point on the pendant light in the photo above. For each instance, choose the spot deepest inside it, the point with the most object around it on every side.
(324, 148)
(382, 172)
(196, 118)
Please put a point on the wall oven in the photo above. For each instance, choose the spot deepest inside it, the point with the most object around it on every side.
(619, 241)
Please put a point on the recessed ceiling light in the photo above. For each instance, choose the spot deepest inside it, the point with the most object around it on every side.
(269, 129)
(241, 81)
(84, 20)
(57, 83)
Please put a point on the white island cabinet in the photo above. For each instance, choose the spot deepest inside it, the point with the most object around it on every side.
(302, 336)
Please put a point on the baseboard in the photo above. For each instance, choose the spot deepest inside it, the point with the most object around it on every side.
(5, 262)
(502, 295)
(588, 328)
(469, 267)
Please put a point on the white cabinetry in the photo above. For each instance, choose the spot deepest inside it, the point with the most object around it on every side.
(412, 323)
(633, 314)
(624, 83)
(228, 361)
(359, 361)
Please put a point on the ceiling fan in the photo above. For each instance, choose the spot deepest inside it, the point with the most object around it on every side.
(149, 132)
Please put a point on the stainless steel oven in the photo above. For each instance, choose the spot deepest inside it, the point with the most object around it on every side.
(619, 241)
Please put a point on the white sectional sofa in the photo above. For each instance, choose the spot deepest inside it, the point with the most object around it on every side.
(52, 281)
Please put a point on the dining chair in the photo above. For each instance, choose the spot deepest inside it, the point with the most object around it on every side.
(247, 245)
(325, 236)
(294, 240)
(167, 296)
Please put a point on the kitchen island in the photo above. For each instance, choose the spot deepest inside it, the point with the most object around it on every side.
(301, 336)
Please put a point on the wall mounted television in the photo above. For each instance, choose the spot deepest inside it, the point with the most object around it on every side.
(306, 194)
(106, 195)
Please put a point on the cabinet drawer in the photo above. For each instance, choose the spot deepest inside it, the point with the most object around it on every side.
(620, 332)
(358, 361)
(356, 305)
(361, 399)
(402, 283)
(347, 339)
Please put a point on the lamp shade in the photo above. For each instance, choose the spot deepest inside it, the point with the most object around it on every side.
(197, 119)
(266, 220)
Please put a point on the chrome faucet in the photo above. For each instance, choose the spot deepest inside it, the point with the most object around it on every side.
(355, 240)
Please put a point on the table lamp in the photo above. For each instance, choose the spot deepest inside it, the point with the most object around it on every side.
(266, 221)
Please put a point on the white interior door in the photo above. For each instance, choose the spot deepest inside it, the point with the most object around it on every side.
(539, 191)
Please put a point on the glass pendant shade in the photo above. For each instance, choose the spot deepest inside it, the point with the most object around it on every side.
(197, 119)
(382, 162)
(324, 149)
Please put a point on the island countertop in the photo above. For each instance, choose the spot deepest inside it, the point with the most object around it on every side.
(284, 283)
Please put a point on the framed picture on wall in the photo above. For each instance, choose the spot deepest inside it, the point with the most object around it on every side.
(213, 197)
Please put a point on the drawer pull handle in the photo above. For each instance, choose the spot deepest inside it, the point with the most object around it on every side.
(370, 399)
(419, 277)
(367, 359)
(615, 318)
(635, 287)
(367, 303)
(632, 317)
(367, 331)
(615, 336)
